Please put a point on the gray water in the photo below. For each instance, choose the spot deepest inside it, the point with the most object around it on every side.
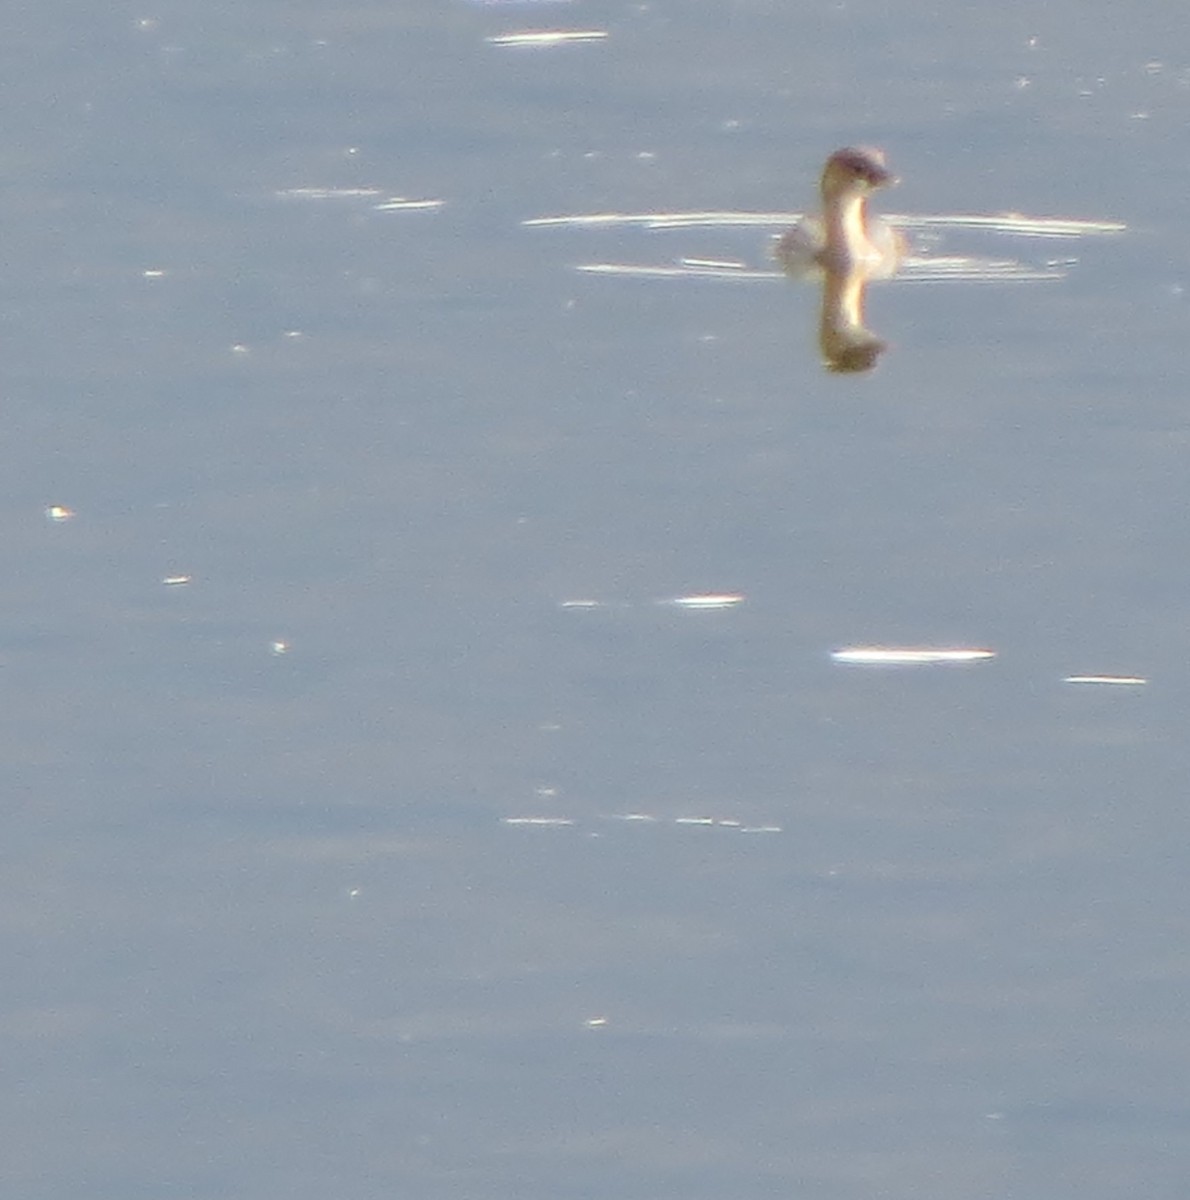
(269, 931)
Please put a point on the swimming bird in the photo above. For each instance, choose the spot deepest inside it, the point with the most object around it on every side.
(844, 239)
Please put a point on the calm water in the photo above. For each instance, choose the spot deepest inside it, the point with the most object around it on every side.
(269, 931)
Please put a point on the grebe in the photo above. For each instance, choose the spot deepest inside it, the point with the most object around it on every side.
(843, 239)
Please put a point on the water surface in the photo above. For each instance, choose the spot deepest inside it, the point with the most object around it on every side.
(275, 326)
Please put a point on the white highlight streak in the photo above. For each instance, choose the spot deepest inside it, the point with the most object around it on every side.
(1124, 680)
(908, 655)
(547, 37)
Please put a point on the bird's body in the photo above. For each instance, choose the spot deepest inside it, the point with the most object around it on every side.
(844, 239)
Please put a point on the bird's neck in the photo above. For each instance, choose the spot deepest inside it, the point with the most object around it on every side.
(845, 220)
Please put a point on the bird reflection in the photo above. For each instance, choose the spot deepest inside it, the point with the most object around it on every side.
(847, 344)
(845, 248)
